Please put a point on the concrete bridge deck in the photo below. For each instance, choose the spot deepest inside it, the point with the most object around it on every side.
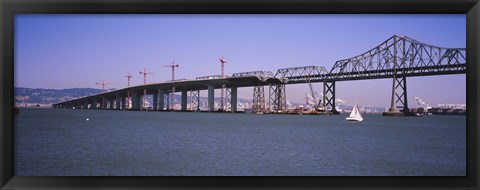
(110, 99)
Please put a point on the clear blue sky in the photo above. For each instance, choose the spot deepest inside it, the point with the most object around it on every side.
(76, 51)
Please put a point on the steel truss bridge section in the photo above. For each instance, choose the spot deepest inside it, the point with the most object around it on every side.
(401, 55)
(262, 74)
(398, 55)
(303, 74)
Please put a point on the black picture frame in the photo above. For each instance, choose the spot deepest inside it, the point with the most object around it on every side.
(8, 9)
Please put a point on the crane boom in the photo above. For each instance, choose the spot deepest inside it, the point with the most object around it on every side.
(311, 91)
(317, 103)
(422, 104)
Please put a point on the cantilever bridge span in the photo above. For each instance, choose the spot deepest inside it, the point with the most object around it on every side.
(398, 57)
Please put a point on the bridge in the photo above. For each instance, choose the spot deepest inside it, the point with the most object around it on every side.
(398, 57)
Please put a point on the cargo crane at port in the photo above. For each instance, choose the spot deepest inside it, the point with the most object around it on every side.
(310, 100)
(317, 104)
(422, 104)
(173, 66)
(144, 73)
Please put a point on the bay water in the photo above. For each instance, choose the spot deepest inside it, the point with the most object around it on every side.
(68, 142)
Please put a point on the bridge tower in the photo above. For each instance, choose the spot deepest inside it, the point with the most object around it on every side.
(329, 96)
(399, 83)
(195, 100)
(258, 99)
(399, 94)
(278, 98)
(258, 90)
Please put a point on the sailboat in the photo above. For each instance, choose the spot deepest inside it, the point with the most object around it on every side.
(355, 115)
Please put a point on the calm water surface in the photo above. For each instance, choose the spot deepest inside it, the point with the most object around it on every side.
(61, 142)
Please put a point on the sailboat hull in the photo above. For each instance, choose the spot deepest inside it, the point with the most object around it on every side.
(354, 119)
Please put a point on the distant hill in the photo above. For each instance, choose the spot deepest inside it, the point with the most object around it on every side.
(34, 96)
(46, 97)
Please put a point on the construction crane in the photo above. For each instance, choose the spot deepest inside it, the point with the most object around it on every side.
(144, 73)
(173, 65)
(309, 100)
(338, 101)
(222, 62)
(422, 105)
(103, 83)
(129, 76)
(317, 103)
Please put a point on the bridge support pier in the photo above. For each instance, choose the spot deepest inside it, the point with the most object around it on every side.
(167, 101)
(135, 101)
(399, 94)
(103, 103)
(110, 104)
(171, 100)
(117, 102)
(211, 94)
(184, 100)
(161, 97)
(85, 104)
(258, 99)
(195, 100)
(329, 96)
(233, 99)
(155, 101)
(278, 98)
(142, 104)
(124, 103)
(94, 104)
(228, 100)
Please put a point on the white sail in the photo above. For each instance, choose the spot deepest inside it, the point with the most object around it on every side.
(354, 112)
(355, 115)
